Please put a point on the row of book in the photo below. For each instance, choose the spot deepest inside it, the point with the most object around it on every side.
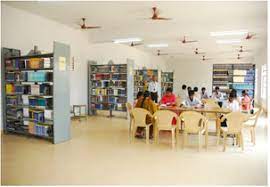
(40, 130)
(167, 77)
(33, 89)
(108, 99)
(115, 91)
(30, 76)
(32, 63)
(109, 68)
(107, 84)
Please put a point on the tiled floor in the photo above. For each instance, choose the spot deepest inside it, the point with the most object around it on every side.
(100, 153)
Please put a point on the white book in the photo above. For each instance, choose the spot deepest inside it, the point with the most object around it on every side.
(25, 112)
(47, 62)
(25, 99)
(35, 89)
(48, 114)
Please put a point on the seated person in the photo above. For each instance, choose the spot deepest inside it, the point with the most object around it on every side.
(139, 96)
(191, 101)
(147, 103)
(196, 93)
(168, 98)
(217, 96)
(246, 101)
(204, 94)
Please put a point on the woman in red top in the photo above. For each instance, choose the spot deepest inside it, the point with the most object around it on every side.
(246, 101)
(169, 98)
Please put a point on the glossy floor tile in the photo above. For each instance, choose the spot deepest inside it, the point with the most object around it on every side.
(100, 153)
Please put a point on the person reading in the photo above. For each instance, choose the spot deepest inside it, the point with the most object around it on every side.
(169, 98)
(191, 100)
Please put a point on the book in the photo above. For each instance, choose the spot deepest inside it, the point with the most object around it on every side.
(35, 89)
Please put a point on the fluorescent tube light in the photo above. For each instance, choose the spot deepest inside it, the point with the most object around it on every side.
(228, 41)
(229, 33)
(126, 40)
(157, 45)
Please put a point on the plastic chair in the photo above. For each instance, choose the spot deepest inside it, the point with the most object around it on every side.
(212, 116)
(163, 121)
(194, 123)
(129, 109)
(139, 120)
(234, 121)
(210, 100)
(251, 124)
(178, 101)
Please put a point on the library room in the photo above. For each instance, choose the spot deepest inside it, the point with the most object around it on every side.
(134, 93)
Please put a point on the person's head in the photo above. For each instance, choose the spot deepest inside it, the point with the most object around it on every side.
(233, 93)
(154, 78)
(191, 94)
(244, 93)
(139, 95)
(203, 89)
(195, 89)
(146, 95)
(169, 91)
(189, 88)
(217, 88)
(184, 87)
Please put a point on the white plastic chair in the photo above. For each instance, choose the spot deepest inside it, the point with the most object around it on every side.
(212, 116)
(163, 121)
(251, 124)
(194, 123)
(139, 120)
(234, 121)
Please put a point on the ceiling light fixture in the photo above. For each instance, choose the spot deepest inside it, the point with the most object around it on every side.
(157, 45)
(229, 33)
(126, 40)
(228, 41)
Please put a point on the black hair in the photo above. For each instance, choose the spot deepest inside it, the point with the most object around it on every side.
(139, 94)
(216, 88)
(195, 89)
(145, 95)
(189, 88)
(233, 93)
(203, 88)
(184, 86)
(169, 89)
(190, 93)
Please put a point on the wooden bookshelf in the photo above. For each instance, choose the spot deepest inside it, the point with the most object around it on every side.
(32, 104)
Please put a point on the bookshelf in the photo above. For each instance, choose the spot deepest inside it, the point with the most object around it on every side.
(35, 93)
(234, 76)
(142, 76)
(108, 87)
(166, 81)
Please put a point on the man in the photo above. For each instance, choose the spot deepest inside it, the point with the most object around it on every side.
(191, 101)
(168, 98)
(183, 93)
(153, 89)
(217, 96)
(204, 94)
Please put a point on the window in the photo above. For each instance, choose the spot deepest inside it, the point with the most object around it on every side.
(264, 82)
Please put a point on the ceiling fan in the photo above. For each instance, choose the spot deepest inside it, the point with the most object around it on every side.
(156, 16)
(197, 52)
(161, 54)
(188, 41)
(204, 59)
(241, 50)
(135, 44)
(250, 36)
(84, 27)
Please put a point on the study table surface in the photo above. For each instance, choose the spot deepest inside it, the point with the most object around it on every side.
(201, 110)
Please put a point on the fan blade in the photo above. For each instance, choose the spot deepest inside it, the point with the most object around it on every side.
(191, 41)
(92, 27)
(162, 18)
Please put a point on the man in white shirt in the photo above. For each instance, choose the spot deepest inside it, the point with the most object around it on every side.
(183, 94)
(191, 100)
(204, 94)
(153, 89)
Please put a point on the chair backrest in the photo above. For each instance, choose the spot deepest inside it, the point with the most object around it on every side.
(129, 107)
(139, 115)
(164, 118)
(213, 106)
(210, 101)
(235, 121)
(193, 121)
(178, 101)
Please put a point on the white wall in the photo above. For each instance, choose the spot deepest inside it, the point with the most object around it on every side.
(191, 73)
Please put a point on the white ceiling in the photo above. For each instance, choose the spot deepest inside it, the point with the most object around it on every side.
(193, 19)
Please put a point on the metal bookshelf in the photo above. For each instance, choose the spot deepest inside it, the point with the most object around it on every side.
(109, 87)
(166, 81)
(35, 93)
(234, 76)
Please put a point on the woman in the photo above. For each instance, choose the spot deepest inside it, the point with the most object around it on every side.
(147, 103)
(139, 96)
(246, 101)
